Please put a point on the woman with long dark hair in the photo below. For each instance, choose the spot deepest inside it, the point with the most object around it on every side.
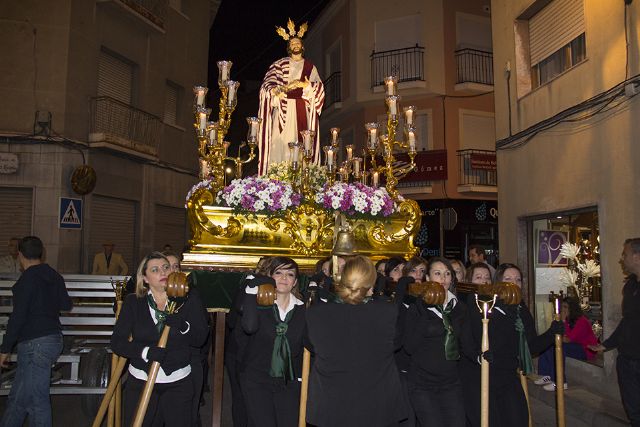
(578, 336)
(512, 341)
(431, 339)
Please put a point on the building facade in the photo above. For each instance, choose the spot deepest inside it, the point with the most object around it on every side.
(566, 129)
(440, 52)
(105, 84)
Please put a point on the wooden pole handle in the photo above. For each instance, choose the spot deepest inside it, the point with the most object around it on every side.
(525, 389)
(113, 382)
(484, 376)
(304, 388)
(559, 381)
(143, 403)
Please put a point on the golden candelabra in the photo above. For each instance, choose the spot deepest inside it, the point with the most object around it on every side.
(212, 147)
(355, 168)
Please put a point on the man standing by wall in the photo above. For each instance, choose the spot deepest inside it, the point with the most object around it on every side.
(34, 325)
(9, 263)
(291, 99)
(625, 337)
(109, 262)
(478, 254)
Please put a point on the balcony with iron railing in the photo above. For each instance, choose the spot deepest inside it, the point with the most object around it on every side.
(121, 127)
(333, 90)
(477, 171)
(407, 64)
(474, 70)
(151, 12)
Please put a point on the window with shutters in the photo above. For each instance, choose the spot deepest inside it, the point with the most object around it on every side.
(113, 220)
(171, 102)
(556, 33)
(16, 214)
(115, 77)
(170, 228)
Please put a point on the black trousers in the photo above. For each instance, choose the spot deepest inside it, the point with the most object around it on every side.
(274, 404)
(169, 405)
(507, 403)
(238, 408)
(439, 406)
(629, 382)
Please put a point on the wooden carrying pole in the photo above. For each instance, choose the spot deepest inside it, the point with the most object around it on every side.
(114, 382)
(306, 366)
(177, 286)
(143, 403)
(525, 388)
(556, 299)
(484, 376)
(485, 308)
(109, 400)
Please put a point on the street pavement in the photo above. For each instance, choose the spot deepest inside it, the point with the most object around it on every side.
(583, 409)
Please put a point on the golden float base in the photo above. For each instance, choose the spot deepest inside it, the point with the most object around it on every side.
(222, 240)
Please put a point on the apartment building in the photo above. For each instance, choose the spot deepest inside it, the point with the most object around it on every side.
(441, 53)
(101, 88)
(566, 129)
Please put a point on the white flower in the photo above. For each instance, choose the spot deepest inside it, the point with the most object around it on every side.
(569, 250)
(568, 277)
(590, 268)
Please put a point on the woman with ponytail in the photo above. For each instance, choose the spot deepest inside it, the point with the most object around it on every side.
(354, 380)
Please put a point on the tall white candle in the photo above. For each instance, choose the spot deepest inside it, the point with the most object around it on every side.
(393, 106)
(203, 120)
(296, 153)
(356, 166)
(375, 179)
(349, 152)
(412, 140)
(330, 157)
(334, 135)
(408, 112)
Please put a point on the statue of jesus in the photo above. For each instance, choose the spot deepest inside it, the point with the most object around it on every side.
(291, 99)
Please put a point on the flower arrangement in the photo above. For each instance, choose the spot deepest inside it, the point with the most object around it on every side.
(356, 199)
(258, 195)
(282, 172)
(206, 183)
(582, 267)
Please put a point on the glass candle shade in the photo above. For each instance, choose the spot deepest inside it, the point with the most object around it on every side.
(200, 92)
(224, 71)
(391, 85)
(232, 89)
(409, 115)
(372, 135)
(254, 125)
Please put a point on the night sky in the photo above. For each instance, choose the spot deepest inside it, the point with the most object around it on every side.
(243, 32)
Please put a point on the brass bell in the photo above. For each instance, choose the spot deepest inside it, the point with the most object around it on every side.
(345, 243)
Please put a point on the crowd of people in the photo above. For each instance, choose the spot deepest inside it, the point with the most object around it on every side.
(381, 353)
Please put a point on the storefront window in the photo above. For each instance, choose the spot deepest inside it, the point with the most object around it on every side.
(566, 257)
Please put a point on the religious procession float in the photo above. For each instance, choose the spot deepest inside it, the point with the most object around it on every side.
(306, 198)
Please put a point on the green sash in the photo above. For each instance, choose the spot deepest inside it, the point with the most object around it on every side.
(161, 316)
(526, 364)
(451, 351)
(281, 364)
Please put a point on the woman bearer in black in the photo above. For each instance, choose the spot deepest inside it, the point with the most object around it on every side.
(272, 362)
(431, 339)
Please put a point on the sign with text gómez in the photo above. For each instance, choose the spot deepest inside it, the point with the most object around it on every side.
(431, 165)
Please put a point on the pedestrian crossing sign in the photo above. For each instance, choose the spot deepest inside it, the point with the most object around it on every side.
(70, 213)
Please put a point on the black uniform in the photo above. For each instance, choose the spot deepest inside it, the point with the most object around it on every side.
(270, 401)
(507, 403)
(170, 402)
(625, 339)
(435, 389)
(354, 380)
